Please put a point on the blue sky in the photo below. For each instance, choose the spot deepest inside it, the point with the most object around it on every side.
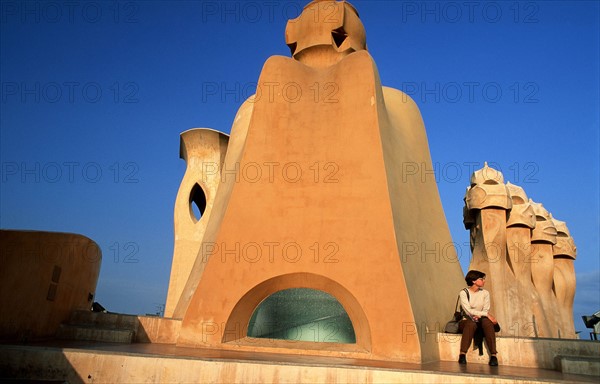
(95, 95)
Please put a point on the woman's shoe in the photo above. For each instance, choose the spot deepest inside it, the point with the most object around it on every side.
(462, 359)
(493, 361)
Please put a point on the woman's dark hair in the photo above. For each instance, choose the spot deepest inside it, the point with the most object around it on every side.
(473, 275)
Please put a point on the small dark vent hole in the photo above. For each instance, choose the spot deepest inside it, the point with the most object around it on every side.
(292, 47)
(339, 36)
(56, 274)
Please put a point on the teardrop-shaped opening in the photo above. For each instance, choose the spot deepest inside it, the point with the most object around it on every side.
(197, 202)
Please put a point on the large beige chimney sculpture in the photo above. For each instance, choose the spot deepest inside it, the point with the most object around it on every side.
(314, 195)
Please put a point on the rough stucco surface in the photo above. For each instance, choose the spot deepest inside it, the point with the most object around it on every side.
(44, 276)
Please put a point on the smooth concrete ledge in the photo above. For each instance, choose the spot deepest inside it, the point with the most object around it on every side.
(157, 330)
(524, 351)
(125, 366)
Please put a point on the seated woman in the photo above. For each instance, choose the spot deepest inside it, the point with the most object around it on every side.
(476, 306)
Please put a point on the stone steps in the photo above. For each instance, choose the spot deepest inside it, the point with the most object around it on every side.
(589, 365)
(98, 326)
(90, 333)
(104, 320)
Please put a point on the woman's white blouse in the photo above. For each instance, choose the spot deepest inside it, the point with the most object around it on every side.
(477, 305)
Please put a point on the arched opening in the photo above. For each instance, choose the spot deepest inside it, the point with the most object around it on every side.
(302, 314)
(197, 202)
(236, 328)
